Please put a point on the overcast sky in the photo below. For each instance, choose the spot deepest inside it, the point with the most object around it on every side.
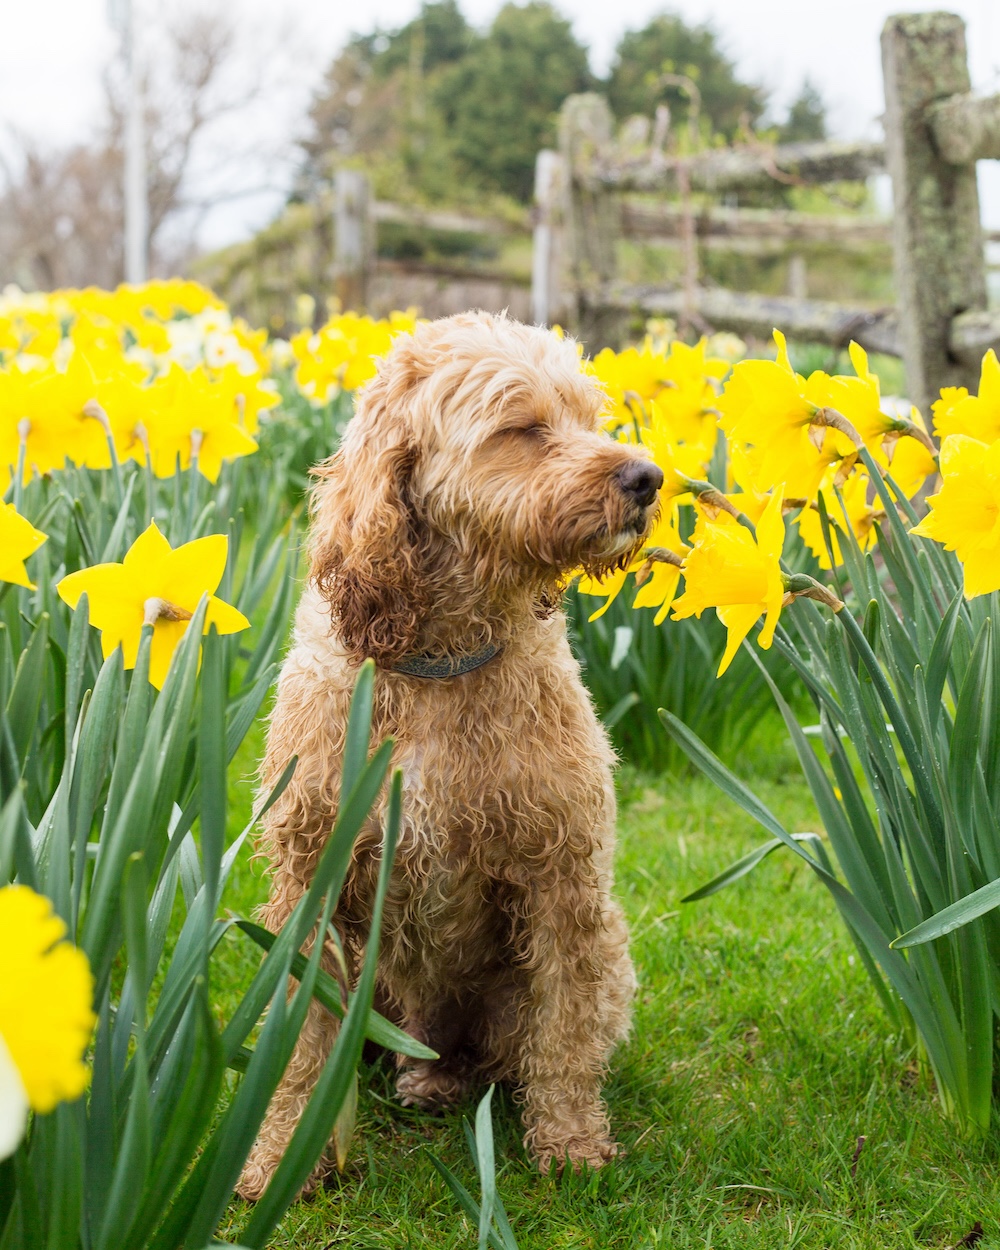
(52, 53)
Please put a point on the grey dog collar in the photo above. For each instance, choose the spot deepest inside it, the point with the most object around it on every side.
(446, 666)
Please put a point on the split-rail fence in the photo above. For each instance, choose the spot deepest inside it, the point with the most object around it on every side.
(600, 188)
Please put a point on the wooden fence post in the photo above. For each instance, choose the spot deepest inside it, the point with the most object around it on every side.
(548, 299)
(586, 132)
(940, 269)
(353, 245)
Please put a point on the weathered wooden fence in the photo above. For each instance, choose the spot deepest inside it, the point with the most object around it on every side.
(331, 246)
(935, 132)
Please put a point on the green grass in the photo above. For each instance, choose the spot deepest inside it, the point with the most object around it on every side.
(758, 1059)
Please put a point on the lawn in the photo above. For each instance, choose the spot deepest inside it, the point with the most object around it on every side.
(759, 1060)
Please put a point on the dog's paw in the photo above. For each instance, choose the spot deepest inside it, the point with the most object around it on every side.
(256, 1176)
(578, 1153)
(429, 1086)
(254, 1179)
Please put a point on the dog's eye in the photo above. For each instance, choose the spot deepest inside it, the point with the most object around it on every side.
(533, 430)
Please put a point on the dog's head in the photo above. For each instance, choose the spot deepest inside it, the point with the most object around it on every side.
(475, 462)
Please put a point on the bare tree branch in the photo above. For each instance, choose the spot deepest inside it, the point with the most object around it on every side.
(61, 209)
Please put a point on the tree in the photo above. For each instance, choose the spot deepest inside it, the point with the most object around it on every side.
(437, 109)
(806, 117)
(669, 46)
(499, 101)
(61, 217)
(439, 34)
(62, 210)
(375, 103)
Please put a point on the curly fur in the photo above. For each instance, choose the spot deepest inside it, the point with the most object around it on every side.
(472, 479)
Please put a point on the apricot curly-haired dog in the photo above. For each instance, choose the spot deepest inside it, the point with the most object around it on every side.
(473, 477)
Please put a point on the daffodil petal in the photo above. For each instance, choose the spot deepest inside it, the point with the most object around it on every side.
(147, 553)
(659, 590)
(166, 638)
(859, 359)
(13, 571)
(194, 569)
(106, 586)
(611, 586)
(739, 619)
(225, 618)
(123, 629)
(771, 526)
(46, 996)
(13, 1104)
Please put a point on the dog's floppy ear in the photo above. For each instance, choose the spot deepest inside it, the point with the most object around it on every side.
(363, 550)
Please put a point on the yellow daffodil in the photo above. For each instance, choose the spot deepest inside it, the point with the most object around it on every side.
(658, 579)
(62, 425)
(802, 465)
(96, 336)
(342, 354)
(37, 328)
(787, 420)
(909, 460)
(248, 394)
(686, 364)
(859, 399)
(46, 1013)
(901, 447)
(607, 369)
(253, 342)
(126, 402)
(154, 585)
(680, 378)
(18, 540)
(738, 575)
(687, 414)
(855, 511)
(965, 513)
(608, 588)
(680, 463)
(193, 418)
(978, 416)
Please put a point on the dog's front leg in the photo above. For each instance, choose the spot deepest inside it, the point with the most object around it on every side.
(565, 1045)
(316, 1039)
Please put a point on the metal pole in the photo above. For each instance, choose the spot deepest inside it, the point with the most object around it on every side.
(136, 205)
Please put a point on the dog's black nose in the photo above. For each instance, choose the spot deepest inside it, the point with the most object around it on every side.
(641, 479)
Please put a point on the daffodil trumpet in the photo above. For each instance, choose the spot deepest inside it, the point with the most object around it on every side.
(154, 610)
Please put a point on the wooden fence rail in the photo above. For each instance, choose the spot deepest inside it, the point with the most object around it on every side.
(759, 229)
(599, 189)
(936, 130)
(750, 168)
